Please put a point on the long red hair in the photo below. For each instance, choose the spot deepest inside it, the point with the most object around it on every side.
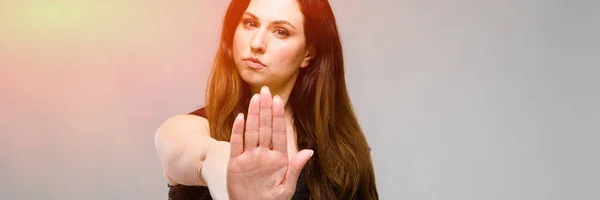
(341, 167)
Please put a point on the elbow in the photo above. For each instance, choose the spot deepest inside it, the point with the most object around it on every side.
(181, 145)
(167, 155)
(168, 149)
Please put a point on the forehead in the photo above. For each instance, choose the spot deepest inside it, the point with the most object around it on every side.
(273, 10)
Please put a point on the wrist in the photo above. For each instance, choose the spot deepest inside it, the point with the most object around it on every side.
(214, 159)
(214, 169)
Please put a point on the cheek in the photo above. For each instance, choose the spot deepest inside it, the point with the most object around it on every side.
(289, 55)
(239, 42)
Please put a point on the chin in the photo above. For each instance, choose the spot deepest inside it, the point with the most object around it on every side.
(253, 78)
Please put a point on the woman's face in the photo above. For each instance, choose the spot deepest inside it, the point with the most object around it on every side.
(269, 46)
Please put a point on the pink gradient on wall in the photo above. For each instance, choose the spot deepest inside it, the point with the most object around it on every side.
(84, 85)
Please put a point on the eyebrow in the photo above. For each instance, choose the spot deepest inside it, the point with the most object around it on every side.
(274, 22)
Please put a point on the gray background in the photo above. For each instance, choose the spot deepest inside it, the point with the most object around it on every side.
(458, 99)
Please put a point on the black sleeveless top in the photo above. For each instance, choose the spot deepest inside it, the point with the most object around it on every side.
(182, 192)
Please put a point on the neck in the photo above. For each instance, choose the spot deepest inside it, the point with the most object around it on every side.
(282, 90)
(284, 93)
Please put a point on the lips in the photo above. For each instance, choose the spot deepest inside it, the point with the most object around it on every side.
(254, 63)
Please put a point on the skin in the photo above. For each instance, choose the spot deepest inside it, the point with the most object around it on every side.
(262, 163)
(280, 46)
(258, 165)
(191, 157)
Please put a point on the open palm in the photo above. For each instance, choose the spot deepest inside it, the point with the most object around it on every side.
(258, 166)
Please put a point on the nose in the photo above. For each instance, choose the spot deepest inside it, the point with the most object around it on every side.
(257, 44)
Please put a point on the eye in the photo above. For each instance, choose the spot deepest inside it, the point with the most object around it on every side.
(282, 32)
(250, 23)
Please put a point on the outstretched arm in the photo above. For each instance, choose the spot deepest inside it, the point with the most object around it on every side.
(189, 155)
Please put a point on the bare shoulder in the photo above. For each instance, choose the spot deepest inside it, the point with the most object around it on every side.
(183, 124)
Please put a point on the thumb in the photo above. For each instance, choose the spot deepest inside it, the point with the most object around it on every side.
(295, 166)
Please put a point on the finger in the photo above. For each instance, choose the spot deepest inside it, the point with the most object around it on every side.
(279, 131)
(237, 136)
(251, 134)
(295, 167)
(265, 123)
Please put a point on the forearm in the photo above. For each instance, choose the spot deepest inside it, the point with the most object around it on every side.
(214, 170)
(182, 157)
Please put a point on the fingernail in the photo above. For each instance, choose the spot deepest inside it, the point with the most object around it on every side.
(240, 115)
(276, 97)
(311, 153)
(264, 89)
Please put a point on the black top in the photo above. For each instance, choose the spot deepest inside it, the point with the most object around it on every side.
(182, 192)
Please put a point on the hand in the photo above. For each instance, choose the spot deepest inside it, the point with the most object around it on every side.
(258, 166)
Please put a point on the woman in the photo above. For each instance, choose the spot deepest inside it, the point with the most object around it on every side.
(286, 48)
